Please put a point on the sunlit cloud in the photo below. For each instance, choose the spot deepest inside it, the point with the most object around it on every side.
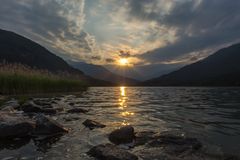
(151, 32)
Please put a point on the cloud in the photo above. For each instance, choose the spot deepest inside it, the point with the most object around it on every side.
(198, 24)
(109, 60)
(149, 31)
(56, 24)
(124, 54)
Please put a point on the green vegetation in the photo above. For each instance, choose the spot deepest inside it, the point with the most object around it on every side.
(19, 79)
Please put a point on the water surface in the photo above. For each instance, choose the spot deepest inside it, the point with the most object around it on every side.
(210, 114)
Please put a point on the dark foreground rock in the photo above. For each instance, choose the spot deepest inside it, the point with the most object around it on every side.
(93, 124)
(77, 110)
(110, 152)
(13, 125)
(122, 136)
(47, 126)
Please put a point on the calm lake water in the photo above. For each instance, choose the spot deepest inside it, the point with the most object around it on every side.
(210, 114)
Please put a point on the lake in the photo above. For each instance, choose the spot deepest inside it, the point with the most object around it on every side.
(212, 115)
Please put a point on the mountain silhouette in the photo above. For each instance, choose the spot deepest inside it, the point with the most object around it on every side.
(219, 69)
(18, 49)
(100, 72)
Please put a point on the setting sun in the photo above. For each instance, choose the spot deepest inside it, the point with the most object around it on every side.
(123, 62)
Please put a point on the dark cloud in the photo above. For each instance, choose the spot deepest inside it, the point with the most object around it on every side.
(109, 60)
(177, 29)
(124, 54)
(96, 58)
(199, 25)
(53, 23)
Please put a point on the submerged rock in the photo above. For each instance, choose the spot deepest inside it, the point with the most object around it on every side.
(13, 125)
(67, 119)
(77, 110)
(93, 124)
(176, 144)
(144, 137)
(8, 109)
(122, 136)
(168, 146)
(110, 152)
(10, 106)
(47, 126)
(13, 102)
(31, 107)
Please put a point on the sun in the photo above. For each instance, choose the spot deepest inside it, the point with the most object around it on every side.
(123, 62)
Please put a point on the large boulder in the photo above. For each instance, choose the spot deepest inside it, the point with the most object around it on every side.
(123, 135)
(110, 152)
(14, 125)
(93, 124)
(47, 126)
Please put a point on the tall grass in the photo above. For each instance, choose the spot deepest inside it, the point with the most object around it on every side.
(17, 79)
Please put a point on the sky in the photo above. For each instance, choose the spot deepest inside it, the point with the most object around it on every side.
(146, 32)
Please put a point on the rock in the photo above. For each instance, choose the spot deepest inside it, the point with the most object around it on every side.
(13, 125)
(11, 106)
(110, 152)
(77, 110)
(8, 109)
(48, 126)
(31, 107)
(42, 102)
(176, 145)
(45, 143)
(144, 137)
(155, 154)
(71, 103)
(57, 99)
(122, 135)
(67, 119)
(13, 102)
(93, 124)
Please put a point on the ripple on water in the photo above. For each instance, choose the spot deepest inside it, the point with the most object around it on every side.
(210, 114)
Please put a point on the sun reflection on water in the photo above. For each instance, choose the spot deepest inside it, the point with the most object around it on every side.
(123, 106)
(122, 89)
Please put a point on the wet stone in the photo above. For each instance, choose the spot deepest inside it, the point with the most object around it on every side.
(122, 136)
(176, 145)
(144, 137)
(77, 110)
(110, 152)
(10, 106)
(93, 124)
(48, 126)
(14, 125)
(67, 119)
(31, 107)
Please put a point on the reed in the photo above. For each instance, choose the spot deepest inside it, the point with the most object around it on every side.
(18, 79)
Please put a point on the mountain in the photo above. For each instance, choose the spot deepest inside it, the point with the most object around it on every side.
(100, 72)
(144, 72)
(18, 49)
(219, 69)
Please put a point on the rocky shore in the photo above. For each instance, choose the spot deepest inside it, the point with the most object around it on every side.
(34, 120)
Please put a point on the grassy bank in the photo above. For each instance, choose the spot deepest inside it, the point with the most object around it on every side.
(18, 79)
